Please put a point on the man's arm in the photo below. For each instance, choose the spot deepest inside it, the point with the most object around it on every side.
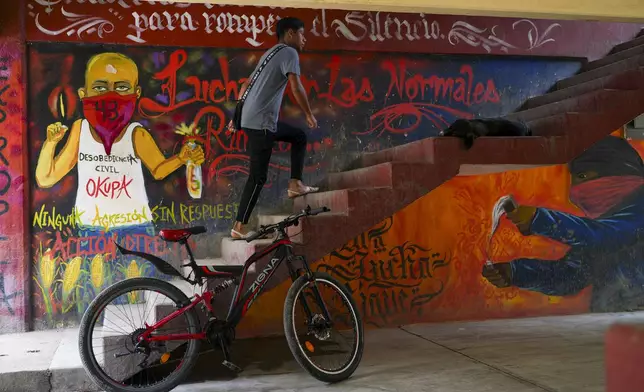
(290, 67)
(147, 150)
(300, 94)
(50, 168)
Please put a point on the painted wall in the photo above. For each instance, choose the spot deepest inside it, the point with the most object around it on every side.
(426, 262)
(14, 277)
(363, 102)
(81, 199)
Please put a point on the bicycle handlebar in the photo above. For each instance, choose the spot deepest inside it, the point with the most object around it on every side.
(292, 220)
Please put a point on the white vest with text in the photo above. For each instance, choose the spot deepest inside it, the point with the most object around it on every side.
(111, 190)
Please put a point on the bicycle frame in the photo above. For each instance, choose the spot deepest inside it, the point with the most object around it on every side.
(281, 249)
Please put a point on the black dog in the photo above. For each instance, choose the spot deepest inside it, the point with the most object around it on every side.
(469, 130)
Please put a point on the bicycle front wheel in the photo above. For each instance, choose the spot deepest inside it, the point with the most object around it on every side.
(112, 351)
(326, 342)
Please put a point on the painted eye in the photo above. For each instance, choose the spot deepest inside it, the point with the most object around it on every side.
(100, 89)
(582, 176)
(122, 88)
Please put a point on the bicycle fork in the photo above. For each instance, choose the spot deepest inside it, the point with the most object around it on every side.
(295, 274)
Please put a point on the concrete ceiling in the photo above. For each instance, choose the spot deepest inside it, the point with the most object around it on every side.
(605, 10)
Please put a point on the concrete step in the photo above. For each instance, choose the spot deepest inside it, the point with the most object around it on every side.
(639, 40)
(420, 151)
(270, 219)
(237, 252)
(388, 174)
(348, 201)
(614, 68)
(629, 80)
(552, 125)
(615, 57)
(590, 102)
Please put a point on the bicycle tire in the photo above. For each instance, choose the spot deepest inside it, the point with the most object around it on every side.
(292, 340)
(107, 296)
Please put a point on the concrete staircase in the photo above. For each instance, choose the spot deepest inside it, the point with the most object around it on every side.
(577, 112)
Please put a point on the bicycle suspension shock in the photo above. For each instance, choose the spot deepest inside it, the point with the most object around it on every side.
(226, 284)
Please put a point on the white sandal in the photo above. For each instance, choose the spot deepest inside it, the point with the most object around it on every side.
(307, 190)
(237, 236)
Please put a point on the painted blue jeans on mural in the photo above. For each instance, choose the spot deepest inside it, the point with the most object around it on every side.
(607, 253)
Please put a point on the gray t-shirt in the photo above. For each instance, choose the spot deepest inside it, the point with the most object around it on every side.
(262, 106)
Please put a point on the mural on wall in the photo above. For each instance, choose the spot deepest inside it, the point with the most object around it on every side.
(606, 243)
(13, 293)
(134, 22)
(574, 245)
(109, 151)
(161, 113)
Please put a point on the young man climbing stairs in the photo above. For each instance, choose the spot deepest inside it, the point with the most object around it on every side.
(261, 106)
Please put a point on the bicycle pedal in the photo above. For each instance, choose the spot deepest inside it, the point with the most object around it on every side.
(232, 366)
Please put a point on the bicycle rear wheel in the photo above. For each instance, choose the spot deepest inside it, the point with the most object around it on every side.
(109, 343)
(312, 347)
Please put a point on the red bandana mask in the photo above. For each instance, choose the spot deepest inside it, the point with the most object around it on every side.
(596, 197)
(109, 114)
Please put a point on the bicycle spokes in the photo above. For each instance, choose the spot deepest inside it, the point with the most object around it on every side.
(118, 342)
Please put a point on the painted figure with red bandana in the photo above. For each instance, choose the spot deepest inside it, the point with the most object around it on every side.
(606, 246)
(109, 149)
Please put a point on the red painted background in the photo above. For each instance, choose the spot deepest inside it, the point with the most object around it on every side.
(136, 22)
(14, 276)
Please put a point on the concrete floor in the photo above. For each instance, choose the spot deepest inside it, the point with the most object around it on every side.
(563, 354)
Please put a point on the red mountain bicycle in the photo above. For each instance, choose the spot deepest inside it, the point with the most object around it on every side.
(128, 342)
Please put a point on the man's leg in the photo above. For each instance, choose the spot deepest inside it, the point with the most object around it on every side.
(297, 138)
(260, 148)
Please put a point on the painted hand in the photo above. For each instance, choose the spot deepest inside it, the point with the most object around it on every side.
(56, 131)
(188, 153)
(499, 274)
(231, 127)
(522, 217)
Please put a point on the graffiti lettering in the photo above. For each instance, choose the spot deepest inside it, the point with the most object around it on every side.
(356, 26)
(192, 213)
(4, 61)
(463, 89)
(131, 159)
(161, 213)
(3, 144)
(11, 288)
(220, 23)
(109, 109)
(89, 246)
(240, 24)
(106, 187)
(345, 94)
(401, 283)
(106, 169)
(5, 298)
(55, 220)
(107, 221)
(160, 22)
(5, 184)
(4, 205)
(187, 214)
(175, 213)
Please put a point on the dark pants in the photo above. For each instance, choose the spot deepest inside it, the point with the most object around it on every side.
(260, 148)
